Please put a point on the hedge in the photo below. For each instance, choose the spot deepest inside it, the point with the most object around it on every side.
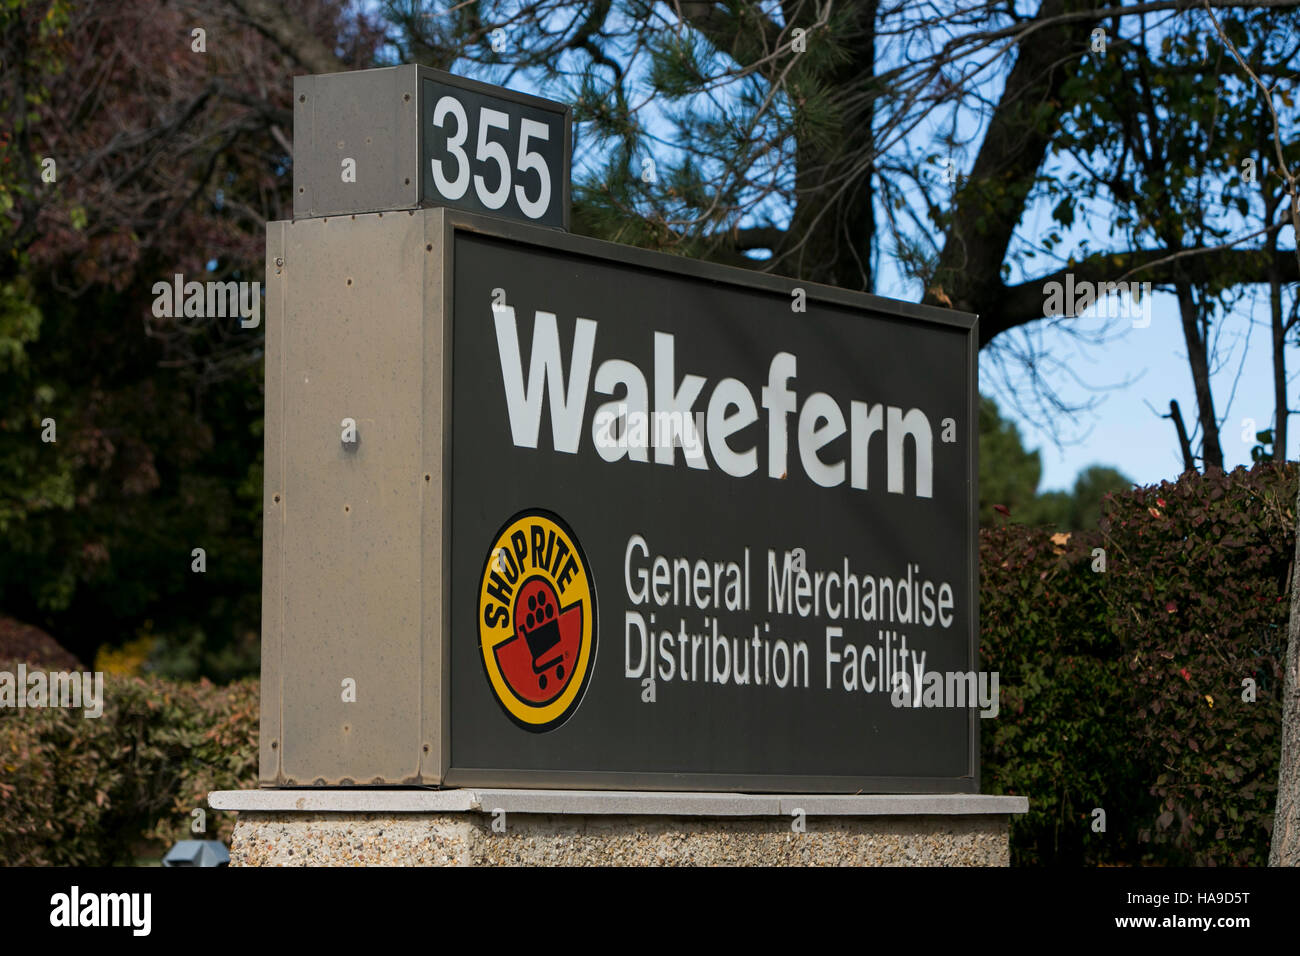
(1123, 655)
(1061, 734)
(1124, 689)
(102, 791)
(1197, 593)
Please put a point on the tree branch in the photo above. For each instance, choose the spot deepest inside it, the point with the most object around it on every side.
(989, 205)
(1019, 304)
(272, 20)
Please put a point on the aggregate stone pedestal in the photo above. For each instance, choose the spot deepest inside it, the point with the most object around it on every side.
(613, 828)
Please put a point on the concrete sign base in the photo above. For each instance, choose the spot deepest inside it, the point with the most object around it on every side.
(340, 827)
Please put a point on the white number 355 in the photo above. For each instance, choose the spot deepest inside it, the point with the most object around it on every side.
(487, 151)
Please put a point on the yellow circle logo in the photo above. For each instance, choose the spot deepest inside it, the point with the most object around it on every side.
(537, 620)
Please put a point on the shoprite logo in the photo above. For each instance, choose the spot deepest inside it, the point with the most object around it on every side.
(537, 620)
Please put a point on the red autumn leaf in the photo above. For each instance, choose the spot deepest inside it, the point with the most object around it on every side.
(1183, 671)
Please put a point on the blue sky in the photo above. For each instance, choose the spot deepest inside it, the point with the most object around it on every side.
(1124, 432)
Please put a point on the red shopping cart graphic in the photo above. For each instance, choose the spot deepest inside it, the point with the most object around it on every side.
(539, 660)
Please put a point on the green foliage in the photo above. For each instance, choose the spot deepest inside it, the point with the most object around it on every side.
(1091, 487)
(1163, 128)
(78, 791)
(155, 451)
(675, 69)
(1008, 473)
(20, 323)
(1123, 689)
(1080, 508)
(35, 476)
(101, 523)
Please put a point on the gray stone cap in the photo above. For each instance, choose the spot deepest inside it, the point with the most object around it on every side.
(625, 802)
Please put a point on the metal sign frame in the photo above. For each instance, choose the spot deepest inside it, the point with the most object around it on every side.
(381, 520)
(376, 117)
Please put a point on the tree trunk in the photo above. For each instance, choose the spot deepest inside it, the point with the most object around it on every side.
(1285, 848)
(830, 236)
(1198, 359)
(1279, 369)
(991, 202)
(1185, 446)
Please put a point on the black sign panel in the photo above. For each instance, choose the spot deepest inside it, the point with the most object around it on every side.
(709, 530)
(489, 150)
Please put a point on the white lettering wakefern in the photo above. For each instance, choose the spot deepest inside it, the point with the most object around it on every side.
(627, 428)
